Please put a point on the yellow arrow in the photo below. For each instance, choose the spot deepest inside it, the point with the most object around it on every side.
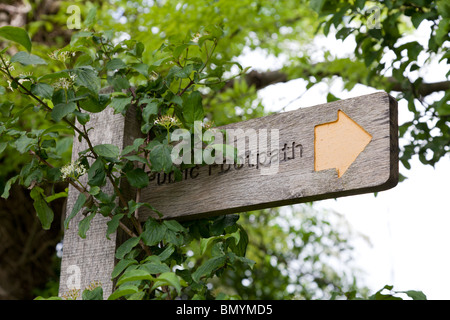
(337, 144)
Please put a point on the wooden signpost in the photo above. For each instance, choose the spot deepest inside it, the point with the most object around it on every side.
(331, 150)
(341, 148)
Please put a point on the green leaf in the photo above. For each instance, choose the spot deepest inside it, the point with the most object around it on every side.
(5, 110)
(415, 295)
(2, 90)
(24, 143)
(222, 222)
(160, 158)
(85, 224)
(137, 50)
(380, 296)
(115, 64)
(206, 243)
(133, 206)
(126, 247)
(122, 265)
(17, 35)
(233, 257)
(96, 173)
(242, 244)
(27, 59)
(168, 279)
(176, 100)
(134, 147)
(174, 238)
(174, 226)
(152, 145)
(54, 76)
(63, 109)
(95, 294)
(155, 268)
(35, 175)
(185, 71)
(443, 106)
(154, 232)
(94, 190)
(81, 200)
(142, 68)
(136, 158)
(119, 104)
(443, 8)
(107, 150)
(42, 90)
(360, 3)
(92, 102)
(120, 83)
(179, 49)
(138, 178)
(113, 224)
(82, 118)
(3, 146)
(207, 268)
(167, 252)
(442, 32)
(122, 291)
(134, 275)
(8, 185)
(215, 30)
(90, 18)
(317, 5)
(56, 196)
(83, 60)
(87, 77)
(418, 17)
(192, 107)
(150, 109)
(50, 298)
(43, 211)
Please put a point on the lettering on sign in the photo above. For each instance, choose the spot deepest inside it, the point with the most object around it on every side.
(288, 152)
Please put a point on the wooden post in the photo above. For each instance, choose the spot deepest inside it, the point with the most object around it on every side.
(93, 258)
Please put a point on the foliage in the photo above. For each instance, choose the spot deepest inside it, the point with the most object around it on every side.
(164, 89)
(387, 293)
(177, 68)
(295, 253)
(384, 58)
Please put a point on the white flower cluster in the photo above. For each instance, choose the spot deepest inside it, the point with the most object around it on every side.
(73, 169)
(207, 124)
(196, 37)
(153, 76)
(61, 55)
(19, 81)
(65, 83)
(7, 66)
(167, 121)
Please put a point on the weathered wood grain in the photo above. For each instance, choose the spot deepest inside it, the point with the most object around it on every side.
(214, 190)
(95, 255)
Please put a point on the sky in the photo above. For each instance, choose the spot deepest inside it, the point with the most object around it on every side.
(408, 225)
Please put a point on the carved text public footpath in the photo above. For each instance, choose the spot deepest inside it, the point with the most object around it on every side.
(266, 159)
